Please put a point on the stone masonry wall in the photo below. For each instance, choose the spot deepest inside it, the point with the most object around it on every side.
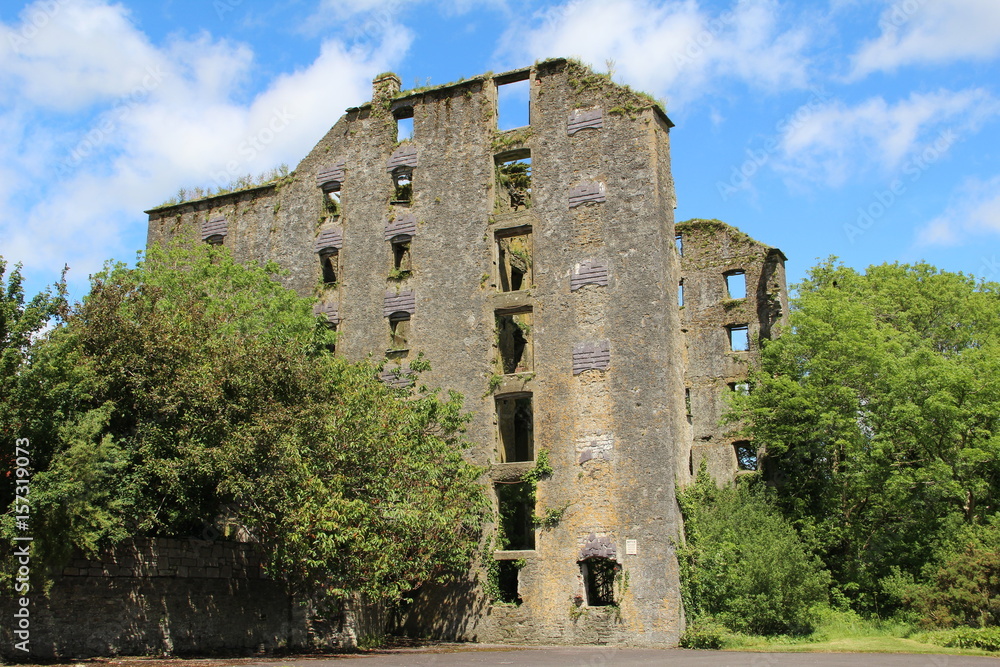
(171, 597)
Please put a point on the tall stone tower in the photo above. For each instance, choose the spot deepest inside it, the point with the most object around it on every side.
(536, 270)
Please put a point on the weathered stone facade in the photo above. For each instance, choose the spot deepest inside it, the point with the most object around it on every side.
(166, 596)
(733, 293)
(546, 296)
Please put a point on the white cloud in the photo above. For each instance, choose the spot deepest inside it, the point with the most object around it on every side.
(674, 49)
(833, 142)
(931, 32)
(100, 123)
(974, 211)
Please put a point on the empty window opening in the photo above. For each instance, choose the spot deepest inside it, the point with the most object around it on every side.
(687, 402)
(599, 576)
(514, 343)
(399, 331)
(331, 199)
(514, 184)
(513, 104)
(507, 576)
(331, 270)
(736, 285)
(679, 244)
(515, 421)
(746, 455)
(691, 463)
(514, 261)
(680, 294)
(332, 346)
(217, 239)
(402, 179)
(401, 265)
(739, 387)
(404, 123)
(739, 338)
(516, 528)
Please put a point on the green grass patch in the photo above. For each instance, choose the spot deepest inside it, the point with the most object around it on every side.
(847, 632)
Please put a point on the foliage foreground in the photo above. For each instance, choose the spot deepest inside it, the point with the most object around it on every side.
(192, 388)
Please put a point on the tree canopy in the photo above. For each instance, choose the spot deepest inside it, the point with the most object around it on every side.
(879, 410)
(191, 387)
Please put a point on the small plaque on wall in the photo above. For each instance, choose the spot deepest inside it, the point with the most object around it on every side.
(631, 548)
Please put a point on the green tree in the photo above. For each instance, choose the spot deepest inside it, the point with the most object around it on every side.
(743, 564)
(879, 411)
(192, 386)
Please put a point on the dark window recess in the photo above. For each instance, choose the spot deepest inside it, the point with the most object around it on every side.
(687, 402)
(516, 503)
(332, 347)
(513, 104)
(514, 261)
(399, 331)
(599, 575)
(402, 180)
(679, 244)
(516, 424)
(401, 255)
(331, 272)
(514, 343)
(746, 455)
(404, 123)
(739, 338)
(514, 184)
(507, 576)
(736, 285)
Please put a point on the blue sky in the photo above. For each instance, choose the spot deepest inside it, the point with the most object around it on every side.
(865, 129)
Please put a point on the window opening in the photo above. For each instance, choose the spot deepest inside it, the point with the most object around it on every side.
(736, 285)
(331, 199)
(679, 244)
(401, 265)
(687, 402)
(516, 528)
(332, 347)
(746, 455)
(404, 123)
(680, 294)
(514, 184)
(513, 104)
(515, 420)
(329, 263)
(514, 342)
(599, 575)
(739, 338)
(507, 580)
(402, 179)
(514, 261)
(399, 331)
(740, 387)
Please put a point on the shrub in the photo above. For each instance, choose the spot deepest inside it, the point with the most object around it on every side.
(704, 634)
(744, 565)
(987, 639)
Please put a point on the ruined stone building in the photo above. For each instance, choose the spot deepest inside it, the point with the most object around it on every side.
(538, 270)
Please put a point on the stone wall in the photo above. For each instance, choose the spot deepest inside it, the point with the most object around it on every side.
(174, 597)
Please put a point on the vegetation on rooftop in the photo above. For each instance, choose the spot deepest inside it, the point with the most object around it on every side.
(277, 175)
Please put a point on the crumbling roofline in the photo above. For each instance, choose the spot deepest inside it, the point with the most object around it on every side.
(190, 202)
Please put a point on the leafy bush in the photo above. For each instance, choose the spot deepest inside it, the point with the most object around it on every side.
(987, 639)
(962, 587)
(704, 634)
(744, 565)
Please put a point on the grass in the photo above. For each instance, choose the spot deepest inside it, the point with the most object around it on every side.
(846, 632)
